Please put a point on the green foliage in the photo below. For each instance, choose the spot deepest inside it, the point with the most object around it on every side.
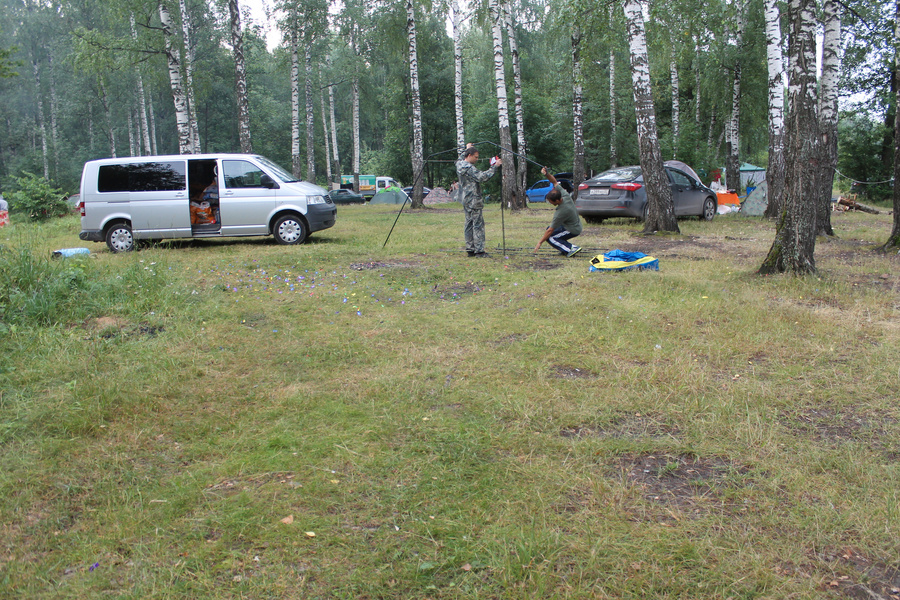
(860, 151)
(37, 198)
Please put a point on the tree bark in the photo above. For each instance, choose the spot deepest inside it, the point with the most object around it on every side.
(189, 75)
(418, 151)
(142, 97)
(296, 161)
(793, 250)
(334, 139)
(661, 214)
(613, 132)
(174, 57)
(521, 145)
(240, 76)
(733, 138)
(104, 101)
(775, 62)
(506, 157)
(41, 119)
(893, 241)
(354, 93)
(828, 113)
(327, 139)
(457, 79)
(577, 110)
(310, 113)
(676, 104)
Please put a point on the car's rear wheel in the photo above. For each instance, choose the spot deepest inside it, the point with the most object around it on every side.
(119, 237)
(709, 209)
(594, 220)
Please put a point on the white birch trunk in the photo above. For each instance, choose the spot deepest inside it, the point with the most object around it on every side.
(775, 65)
(334, 140)
(521, 145)
(577, 110)
(354, 97)
(142, 97)
(697, 79)
(41, 124)
(110, 134)
(509, 177)
(189, 75)
(130, 123)
(676, 104)
(613, 131)
(661, 213)
(240, 75)
(418, 152)
(733, 139)
(457, 80)
(310, 117)
(828, 112)
(54, 111)
(181, 111)
(327, 138)
(153, 141)
(296, 161)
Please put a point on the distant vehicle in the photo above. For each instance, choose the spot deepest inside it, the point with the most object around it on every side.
(123, 200)
(369, 185)
(538, 191)
(343, 196)
(425, 191)
(620, 192)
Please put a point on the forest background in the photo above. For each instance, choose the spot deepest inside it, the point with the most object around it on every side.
(86, 79)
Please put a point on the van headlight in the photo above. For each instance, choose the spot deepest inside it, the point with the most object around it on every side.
(318, 200)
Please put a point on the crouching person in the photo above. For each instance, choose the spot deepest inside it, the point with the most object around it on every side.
(566, 223)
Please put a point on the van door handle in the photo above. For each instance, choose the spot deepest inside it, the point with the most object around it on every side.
(227, 193)
(179, 194)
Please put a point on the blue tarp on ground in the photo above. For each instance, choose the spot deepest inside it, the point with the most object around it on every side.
(619, 260)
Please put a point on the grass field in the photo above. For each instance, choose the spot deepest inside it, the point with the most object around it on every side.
(237, 419)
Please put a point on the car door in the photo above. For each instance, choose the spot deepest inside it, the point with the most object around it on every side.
(246, 198)
(538, 192)
(687, 197)
(158, 199)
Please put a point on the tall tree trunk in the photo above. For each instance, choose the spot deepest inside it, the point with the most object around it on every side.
(893, 240)
(795, 240)
(521, 145)
(153, 138)
(457, 79)
(142, 97)
(310, 115)
(296, 161)
(131, 139)
(354, 97)
(613, 131)
(334, 139)
(775, 170)
(41, 119)
(733, 138)
(418, 151)
(828, 113)
(54, 113)
(327, 140)
(240, 76)
(676, 104)
(509, 175)
(577, 110)
(174, 57)
(189, 75)
(661, 214)
(697, 78)
(104, 101)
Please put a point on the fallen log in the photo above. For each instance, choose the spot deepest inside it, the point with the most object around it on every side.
(852, 203)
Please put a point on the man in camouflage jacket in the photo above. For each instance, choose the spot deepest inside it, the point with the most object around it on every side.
(470, 180)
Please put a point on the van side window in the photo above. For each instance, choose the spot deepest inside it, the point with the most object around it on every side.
(142, 177)
(241, 174)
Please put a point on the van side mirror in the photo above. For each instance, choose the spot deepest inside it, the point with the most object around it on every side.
(267, 182)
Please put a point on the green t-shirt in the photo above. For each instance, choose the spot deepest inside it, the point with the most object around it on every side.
(565, 215)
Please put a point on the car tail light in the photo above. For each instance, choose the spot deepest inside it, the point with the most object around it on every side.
(80, 207)
(628, 187)
(583, 186)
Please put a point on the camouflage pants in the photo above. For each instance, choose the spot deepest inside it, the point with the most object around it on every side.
(474, 229)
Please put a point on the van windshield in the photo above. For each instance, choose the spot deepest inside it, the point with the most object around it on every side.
(276, 171)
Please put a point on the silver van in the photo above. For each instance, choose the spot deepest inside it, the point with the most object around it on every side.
(197, 196)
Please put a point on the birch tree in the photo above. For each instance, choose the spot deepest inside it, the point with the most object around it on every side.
(794, 246)
(733, 136)
(828, 113)
(577, 110)
(775, 64)
(296, 162)
(240, 76)
(509, 176)
(661, 212)
(325, 131)
(336, 167)
(521, 145)
(676, 104)
(189, 75)
(173, 56)
(457, 78)
(893, 241)
(310, 116)
(418, 151)
(142, 96)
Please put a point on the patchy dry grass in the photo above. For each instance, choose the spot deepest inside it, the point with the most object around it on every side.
(340, 420)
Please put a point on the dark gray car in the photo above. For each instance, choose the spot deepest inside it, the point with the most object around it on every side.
(620, 192)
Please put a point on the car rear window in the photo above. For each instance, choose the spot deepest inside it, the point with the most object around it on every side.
(622, 174)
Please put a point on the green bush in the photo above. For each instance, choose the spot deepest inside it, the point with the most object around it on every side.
(38, 199)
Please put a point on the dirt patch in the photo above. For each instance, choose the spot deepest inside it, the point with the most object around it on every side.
(538, 264)
(626, 426)
(566, 372)
(108, 328)
(510, 339)
(368, 266)
(454, 291)
(103, 323)
(851, 574)
(687, 483)
(834, 427)
(228, 487)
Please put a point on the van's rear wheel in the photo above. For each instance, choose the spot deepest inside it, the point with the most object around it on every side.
(289, 229)
(119, 238)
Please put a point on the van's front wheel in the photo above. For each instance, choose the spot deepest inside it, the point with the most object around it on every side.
(119, 238)
(289, 229)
